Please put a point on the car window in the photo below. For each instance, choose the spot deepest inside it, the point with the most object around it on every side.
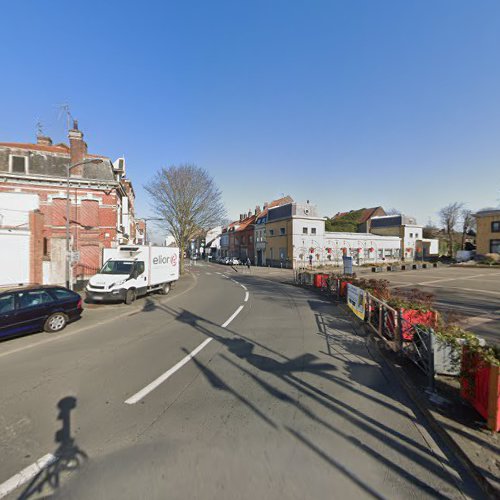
(7, 303)
(140, 268)
(31, 298)
(61, 293)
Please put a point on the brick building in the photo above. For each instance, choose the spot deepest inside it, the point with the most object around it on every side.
(101, 200)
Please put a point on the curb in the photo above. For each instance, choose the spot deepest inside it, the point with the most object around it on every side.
(419, 401)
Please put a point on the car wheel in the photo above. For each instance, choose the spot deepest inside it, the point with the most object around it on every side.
(130, 297)
(165, 289)
(55, 322)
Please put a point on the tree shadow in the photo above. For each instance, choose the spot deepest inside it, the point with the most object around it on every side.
(68, 456)
(287, 371)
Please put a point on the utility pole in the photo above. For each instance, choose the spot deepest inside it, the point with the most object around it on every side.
(69, 282)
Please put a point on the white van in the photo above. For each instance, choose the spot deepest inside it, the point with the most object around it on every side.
(134, 270)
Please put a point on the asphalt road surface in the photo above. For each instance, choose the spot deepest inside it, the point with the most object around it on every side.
(232, 387)
(472, 295)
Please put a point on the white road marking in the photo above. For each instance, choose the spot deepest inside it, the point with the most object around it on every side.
(246, 296)
(243, 286)
(153, 385)
(217, 272)
(26, 474)
(208, 274)
(453, 279)
(162, 378)
(476, 290)
(232, 317)
(232, 279)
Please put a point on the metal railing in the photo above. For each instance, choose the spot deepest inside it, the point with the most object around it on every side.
(385, 321)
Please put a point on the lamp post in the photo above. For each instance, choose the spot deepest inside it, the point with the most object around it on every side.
(69, 283)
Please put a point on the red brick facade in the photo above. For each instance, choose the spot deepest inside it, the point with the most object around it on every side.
(36, 226)
(100, 201)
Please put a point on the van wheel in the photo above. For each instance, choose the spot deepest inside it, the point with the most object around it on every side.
(55, 322)
(130, 297)
(165, 289)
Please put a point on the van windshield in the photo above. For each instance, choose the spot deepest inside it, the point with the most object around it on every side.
(117, 267)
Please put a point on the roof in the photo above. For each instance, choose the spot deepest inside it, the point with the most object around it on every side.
(58, 148)
(28, 286)
(365, 214)
(275, 203)
(487, 211)
(243, 224)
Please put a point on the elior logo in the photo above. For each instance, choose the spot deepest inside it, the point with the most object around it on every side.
(173, 260)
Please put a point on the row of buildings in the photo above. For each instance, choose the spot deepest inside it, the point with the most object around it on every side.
(34, 192)
(290, 234)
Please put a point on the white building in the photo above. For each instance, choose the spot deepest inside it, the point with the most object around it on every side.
(213, 242)
(16, 239)
(413, 245)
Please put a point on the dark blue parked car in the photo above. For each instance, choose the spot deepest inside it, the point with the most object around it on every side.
(34, 308)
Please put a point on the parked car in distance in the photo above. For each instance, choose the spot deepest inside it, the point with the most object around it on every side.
(234, 261)
(30, 309)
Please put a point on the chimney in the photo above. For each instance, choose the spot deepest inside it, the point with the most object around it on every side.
(43, 140)
(241, 217)
(257, 210)
(266, 204)
(249, 213)
(78, 148)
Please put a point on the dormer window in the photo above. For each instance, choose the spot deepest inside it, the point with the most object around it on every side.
(18, 164)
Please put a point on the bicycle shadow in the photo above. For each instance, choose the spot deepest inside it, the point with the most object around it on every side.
(68, 456)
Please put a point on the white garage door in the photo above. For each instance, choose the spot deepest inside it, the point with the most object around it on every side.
(14, 257)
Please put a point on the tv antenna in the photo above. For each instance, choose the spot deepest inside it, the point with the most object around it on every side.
(64, 110)
(39, 128)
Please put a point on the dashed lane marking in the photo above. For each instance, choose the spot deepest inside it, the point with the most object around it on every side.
(165, 376)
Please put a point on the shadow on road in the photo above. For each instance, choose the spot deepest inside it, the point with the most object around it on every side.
(68, 456)
(292, 381)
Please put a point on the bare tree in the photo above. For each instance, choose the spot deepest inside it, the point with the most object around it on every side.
(189, 202)
(468, 222)
(449, 216)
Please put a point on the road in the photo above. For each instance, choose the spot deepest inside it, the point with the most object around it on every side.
(283, 398)
(472, 295)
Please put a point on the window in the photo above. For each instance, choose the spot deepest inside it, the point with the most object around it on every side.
(304, 230)
(380, 253)
(19, 164)
(139, 267)
(388, 252)
(282, 231)
(45, 247)
(117, 267)
(250, 239)
(495, 226)
(313, 230)
(33, 298)
(367, 253)
(271, 232)
(494, 246)
(62, 294)
(7, 303)
(411, 235)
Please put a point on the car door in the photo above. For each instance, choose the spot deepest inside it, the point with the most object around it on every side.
(33, 308)
(7, 314)
(140, 280)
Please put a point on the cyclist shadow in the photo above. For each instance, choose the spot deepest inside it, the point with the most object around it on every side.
(68, 457)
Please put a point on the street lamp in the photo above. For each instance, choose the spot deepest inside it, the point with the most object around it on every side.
(69, 283)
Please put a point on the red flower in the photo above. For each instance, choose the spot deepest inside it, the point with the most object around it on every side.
(371, 249)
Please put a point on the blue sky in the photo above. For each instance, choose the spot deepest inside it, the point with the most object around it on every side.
(345, 103)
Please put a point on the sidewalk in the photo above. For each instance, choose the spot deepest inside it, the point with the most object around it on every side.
(455, 419)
